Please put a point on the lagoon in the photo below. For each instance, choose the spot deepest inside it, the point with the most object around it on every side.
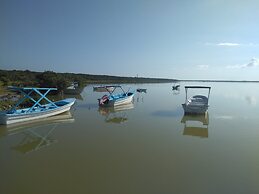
(147, 147)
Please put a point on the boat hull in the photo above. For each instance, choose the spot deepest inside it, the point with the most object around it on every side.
(119, 101)
(7, 119)
(126, 100)
(194, 109)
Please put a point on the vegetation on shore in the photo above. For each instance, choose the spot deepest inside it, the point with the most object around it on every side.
(58, 80)
(63, 80)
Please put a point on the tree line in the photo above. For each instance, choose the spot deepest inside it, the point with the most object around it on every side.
(61, 81)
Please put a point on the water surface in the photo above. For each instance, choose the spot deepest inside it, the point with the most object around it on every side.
(145, 147)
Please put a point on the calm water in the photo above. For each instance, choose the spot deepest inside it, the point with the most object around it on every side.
(147, 147)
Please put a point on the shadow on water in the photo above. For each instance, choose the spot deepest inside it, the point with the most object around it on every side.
(77, 96)
(88, 106)
(167, 113)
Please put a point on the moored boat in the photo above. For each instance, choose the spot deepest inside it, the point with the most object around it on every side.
(176, 87)
(197, 104)
(141, 90)
(116, 99)
(37, 110)
(73, 89)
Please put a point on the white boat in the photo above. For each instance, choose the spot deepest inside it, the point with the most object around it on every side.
(65, 117)
(116, 99)
(37, 110)
(73, 89)
(197, 104)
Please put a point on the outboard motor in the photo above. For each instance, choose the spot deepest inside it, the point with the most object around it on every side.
(103, 100)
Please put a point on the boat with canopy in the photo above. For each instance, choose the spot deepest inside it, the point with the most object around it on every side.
(37, 110)
(197, 104)
(116, 99)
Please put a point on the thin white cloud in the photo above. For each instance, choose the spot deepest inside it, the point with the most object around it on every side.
(203, 66)
(253, 63)
(228, 44)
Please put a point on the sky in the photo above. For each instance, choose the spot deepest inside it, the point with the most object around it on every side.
(181, 39)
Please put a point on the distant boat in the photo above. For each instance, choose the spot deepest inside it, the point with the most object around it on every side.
(37, 110)
(115, 99)
(176, 87)
(142, 90)
(103, 88)
(197, 104)
(73, 89)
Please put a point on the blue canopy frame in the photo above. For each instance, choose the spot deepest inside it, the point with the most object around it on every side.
(27, 95)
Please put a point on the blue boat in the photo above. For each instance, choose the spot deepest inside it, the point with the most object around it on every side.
(37, 110)
(115, 99)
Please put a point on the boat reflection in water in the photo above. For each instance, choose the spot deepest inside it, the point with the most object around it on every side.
(76, 96)
(116, 114)
(196, 125)
(36, 135)
(139, 98)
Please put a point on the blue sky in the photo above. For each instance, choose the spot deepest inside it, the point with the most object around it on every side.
(182, 39)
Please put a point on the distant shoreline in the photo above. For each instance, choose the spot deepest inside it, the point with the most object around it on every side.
(33, 78)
